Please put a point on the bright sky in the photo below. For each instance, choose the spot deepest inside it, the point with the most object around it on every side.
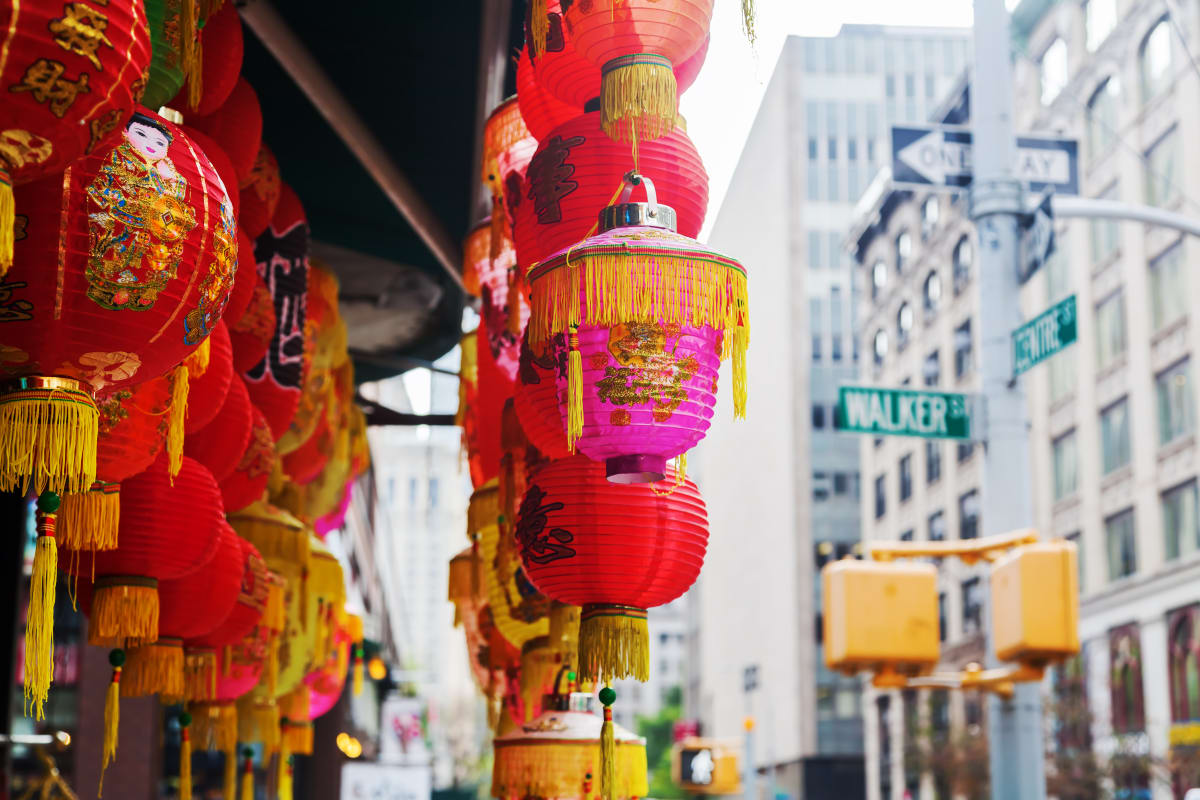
(722, 103)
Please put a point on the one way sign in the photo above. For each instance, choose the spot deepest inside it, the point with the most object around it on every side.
(941, 155)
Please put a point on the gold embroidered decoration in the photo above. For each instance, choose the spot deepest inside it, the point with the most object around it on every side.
(647, 372)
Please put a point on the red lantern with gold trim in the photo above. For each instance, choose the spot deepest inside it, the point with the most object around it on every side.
(260, 194)
(243, 284)
(206, 391)
(251, 334)
(541, 110)
(536, 396)
(248, 480)
(221, 163)
(614, 549)
(250, 605)
(73, 74)
(484, 409)
(219, 446)
(237, 127)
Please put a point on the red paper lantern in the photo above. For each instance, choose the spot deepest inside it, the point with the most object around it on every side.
(305, 463)
(249, 478)
(206, 392)
(536, 397)
(243, 283)
(73, 74)
(237, 128)
(613, 549)
(541, 110)
(169, 529)
(250, 605)
(577, 169)
(221, 443)
(477, 251)
(486, 409)
(260, 195)
(251, 334)
(220, 63)
(198, 603)
(282, 254)
(124, 265)
(636, 44)
(221, 163)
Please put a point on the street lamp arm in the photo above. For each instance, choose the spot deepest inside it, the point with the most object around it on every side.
(1067, 207)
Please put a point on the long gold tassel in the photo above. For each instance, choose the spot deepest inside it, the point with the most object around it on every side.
(197, 362)
(614, 642)
(185, 757)
(8, 219)
(176, 417)
(574, 391)
(90, 521)
(608, 746)
(229, 787)
(191, 24)
(741, 342)
(248, 775)
(112, 714)
(514, 302)
(748, 21)
(285, 771)
(39, 624)
(358, 669)
(539, 26)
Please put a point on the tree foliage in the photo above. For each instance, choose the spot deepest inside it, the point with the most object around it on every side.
(659, 733)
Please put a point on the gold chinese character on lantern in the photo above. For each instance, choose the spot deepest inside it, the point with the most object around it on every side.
(44, 80)
(80, 30)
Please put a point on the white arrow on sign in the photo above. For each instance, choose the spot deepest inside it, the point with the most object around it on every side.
(933, 158)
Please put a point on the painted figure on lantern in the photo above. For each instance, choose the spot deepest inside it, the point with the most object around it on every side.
(199, 322)
(141, 222)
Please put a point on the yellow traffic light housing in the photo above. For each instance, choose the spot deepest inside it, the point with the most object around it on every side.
(1035, 603)
(706, 766)
(880, 616)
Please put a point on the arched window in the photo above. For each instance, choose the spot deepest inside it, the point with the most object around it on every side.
(1155, 60)
(880, 346)
(903, 251)
(1125, 683)
(964, 256)
(1102, 117)
(1184, 671)
(931, 212)
(1054, 70)
(904, 323)
(933, 292)
(879, 279)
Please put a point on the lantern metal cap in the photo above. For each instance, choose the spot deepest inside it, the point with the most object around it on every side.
(624, 214)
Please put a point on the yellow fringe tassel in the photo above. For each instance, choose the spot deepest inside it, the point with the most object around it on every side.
(190, 19)
(48, 440)
(154, 669)
(176, 417)
(524, 769)
(574, 391)
(89, 521)
(8, 218)
(358, 670)
(200, 675)
(608, 757)
(614, 643)
(215, 725)
(39, 626)
(748, 21)
(197, 361)
(185, 765)
(638, 93)
(124, 608)
(273, 668)
(564, 631)
(285, 773)
(248, 780)
(539, 26)
(295, 729)
(229, 787)
(112, 716)
(514, 303)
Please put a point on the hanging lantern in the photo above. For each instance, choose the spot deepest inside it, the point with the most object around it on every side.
(207, 391)
(636, 43)
(499, 306)
(248, 481)
(210, 83)
(544, 669)
(518, 609)
(306, 463)
(244, 284)
(336, 518)
(541, 110)
(326, 332)
(576, 169)
(73, 75)
(282, 256)
(221, 163)
(221, 445)
(558, 754)
(251, 335)
(494, 388)
(536, 398)
(649, 315)
(237, 127)
(477, 252)
(613, 549)
(165, 77)
(325, 684)
(260, 195)
(254, 589)
(503, 131)
(128, 300)
(519, 458)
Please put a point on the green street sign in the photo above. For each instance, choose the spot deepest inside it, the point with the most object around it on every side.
(904, 412)
(1044, 335)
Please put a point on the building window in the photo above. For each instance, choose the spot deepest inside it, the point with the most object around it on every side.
(1181, 526)
(962, 350)
(820, 483)
(1105, 233)
(880, 496)
(816, 326)
(1168, 287)
(965, 450)
(1110, 329)
(833, 148)
(903, 251)
(933, 461)
(835, 250)
(1053, 71)
(818, 416)
(968, 515)
(933, 293)
(1114, 436)
(814, 249)
(904, 323)
(930, 213)
(813, 178)
(906, 478)
(1125, 660)
(1184, 646)
(1155, 61)
(1099, 19)
(964, 255)
(937, 526)
(907, 536)
(880, 346)
(1066, 467)
(835, 321)
(1102, 117)
(879, 278)
(1176, 408)
(1121, 545)
(1162, 162)
(1077, 539)
(813, 148)
(972, 605)
(835, 192)
(931, 369)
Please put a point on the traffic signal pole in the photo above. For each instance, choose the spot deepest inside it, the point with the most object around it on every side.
(1017, 757)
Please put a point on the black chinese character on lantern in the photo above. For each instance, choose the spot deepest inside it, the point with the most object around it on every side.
(549, 177)
(282, 260)
(539, 545)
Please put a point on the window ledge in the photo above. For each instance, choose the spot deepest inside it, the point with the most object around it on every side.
(1066, 503)
(1117, 476)
(1176, 446)
(1170, 329)
(1119, 363)
(1103, 264)
(1062, 402)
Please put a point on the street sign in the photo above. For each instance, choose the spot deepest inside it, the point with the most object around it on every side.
(905, 412)
(941, 155)
(1044, 335)
(1037, 239)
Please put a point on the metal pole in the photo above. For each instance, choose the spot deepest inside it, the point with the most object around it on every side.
(1017, 768)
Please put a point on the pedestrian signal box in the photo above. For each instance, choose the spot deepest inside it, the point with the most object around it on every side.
(1035, 603)
(706, 766)
(880, 616)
